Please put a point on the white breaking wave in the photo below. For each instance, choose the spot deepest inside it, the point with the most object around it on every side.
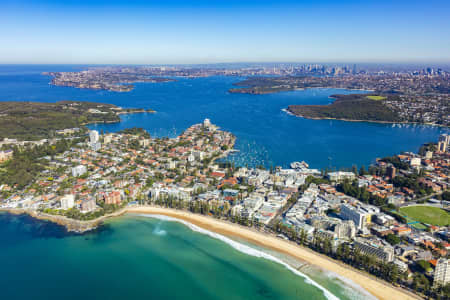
(244, 249)
(351, 289)
(159, 231)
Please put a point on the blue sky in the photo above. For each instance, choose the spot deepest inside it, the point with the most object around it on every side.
(147, 32)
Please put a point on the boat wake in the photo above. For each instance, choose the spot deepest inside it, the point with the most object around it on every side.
(244, 249)
(288, 112)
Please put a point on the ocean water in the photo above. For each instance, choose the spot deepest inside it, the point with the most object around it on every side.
(265, 134)
(135, 257)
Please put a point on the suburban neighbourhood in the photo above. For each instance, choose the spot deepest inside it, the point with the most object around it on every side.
(390, 220)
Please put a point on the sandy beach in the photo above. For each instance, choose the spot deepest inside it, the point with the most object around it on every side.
(377, 288)
(371, 284)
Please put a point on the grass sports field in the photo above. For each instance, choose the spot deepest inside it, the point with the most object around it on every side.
(427, 214)
(376, 98)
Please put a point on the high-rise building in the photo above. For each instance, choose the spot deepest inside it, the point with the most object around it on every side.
(442, 146)
(67, 202)
(107, 138)
(94, 140)
(360, 215)
(442, 272)
(390, 171)
(444, 141)
(345, 229)
(384, 253)
(93, 136)
(207, 123)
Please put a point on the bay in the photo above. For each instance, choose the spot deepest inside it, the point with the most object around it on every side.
(266, 135)
(135, 257)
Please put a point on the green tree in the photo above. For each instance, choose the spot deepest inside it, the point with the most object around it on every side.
(392, 239)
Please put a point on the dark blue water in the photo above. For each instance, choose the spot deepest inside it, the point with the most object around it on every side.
(265, 134)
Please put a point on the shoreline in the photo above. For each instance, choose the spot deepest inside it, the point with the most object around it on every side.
(71, 225)
(367, 121)
(119, 114)
(244, 90)
(372, 285)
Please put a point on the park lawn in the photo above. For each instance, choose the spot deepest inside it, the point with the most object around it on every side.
(376, 98)
(427, 214)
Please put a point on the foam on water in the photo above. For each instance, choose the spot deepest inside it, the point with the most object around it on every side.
(351, 289)
(244, 249)
(159, 231)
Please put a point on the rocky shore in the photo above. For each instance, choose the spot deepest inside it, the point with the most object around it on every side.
(71, 225)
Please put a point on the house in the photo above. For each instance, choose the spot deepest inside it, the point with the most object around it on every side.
(6, 155)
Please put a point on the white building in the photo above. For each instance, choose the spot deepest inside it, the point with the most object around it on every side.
(340, 175)
(93, 136)
(94, 140)
(442, 272)
(191, 158)
(79, 170)
(360, 215)
(345, 230)
(144, 142)
(107, 139)
(199, 155)
(67, 202)
(415, 162)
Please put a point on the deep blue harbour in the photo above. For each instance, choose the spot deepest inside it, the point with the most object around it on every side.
(265, 134)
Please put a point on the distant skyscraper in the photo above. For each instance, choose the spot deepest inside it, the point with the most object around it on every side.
(445, 138)
(442, 272)
(444, 141)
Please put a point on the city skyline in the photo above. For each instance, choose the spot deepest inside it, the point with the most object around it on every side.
(142, 32)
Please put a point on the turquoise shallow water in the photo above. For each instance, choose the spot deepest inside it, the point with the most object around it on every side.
(265, 134)
(137, 258)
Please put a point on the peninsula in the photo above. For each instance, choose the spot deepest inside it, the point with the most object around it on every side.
(38, 120)
(108, 79)
(363, 219)
(396, 97)
(353, 107)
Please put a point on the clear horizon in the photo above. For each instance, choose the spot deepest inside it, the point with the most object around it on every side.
(210, 32)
